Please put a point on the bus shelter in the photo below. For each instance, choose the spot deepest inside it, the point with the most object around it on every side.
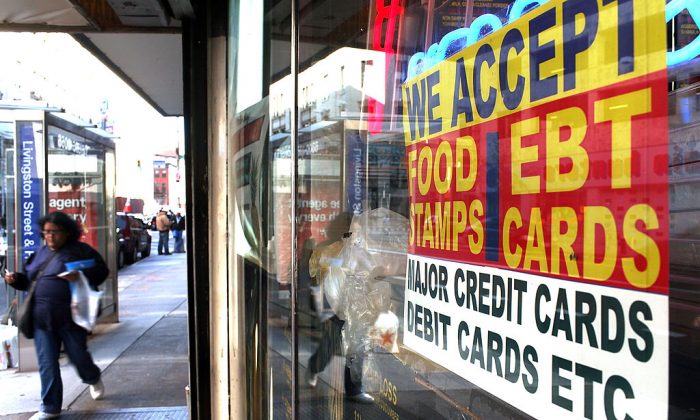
(50, 161)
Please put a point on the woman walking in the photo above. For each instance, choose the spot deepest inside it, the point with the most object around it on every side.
(53, 324)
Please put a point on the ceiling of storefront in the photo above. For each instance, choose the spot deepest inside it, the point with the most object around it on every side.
(139, 40)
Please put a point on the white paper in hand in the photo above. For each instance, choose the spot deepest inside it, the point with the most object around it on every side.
(67, 274)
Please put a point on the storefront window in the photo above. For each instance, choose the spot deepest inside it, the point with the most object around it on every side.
(684, 209)
(259, 104)
(495, 208)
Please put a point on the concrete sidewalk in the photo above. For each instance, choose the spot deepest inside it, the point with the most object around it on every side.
(143, 357)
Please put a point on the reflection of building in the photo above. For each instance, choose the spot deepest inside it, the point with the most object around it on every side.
(332, 88)
(332, 147)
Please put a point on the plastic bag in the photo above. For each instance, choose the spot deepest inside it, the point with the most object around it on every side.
(385, 331)
(10, 316)
(84, 303)
(332, 288)
(9, 348)
(383, 233)
(324, 269)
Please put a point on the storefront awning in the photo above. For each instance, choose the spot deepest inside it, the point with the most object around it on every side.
(139, 40)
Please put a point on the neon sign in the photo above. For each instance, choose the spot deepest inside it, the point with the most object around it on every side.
(487, 23)
(691, 50)
(384, 28)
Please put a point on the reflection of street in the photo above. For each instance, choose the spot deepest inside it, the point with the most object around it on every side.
(398, 392)
(427, 390)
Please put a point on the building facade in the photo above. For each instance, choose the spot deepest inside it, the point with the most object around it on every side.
(467, 209)
(160, 182)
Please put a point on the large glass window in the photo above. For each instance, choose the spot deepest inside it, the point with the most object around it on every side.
(684, 209)
(490, 207)
(259, 107)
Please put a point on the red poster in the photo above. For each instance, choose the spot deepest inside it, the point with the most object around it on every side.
(80, 205)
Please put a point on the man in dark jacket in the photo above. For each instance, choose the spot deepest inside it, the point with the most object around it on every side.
(163, 224)
(178, 228)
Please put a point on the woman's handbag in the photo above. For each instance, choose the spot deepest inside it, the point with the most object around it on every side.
(25, 316)
(25, 313)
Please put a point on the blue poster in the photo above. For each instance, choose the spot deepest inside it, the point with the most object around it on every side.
(30, 188)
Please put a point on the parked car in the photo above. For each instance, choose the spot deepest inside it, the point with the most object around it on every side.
(133, 238)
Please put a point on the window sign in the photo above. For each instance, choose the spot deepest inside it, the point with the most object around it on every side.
(538, 182)
(687, 11)
(63, 141)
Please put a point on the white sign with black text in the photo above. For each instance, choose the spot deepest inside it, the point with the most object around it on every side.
(552, 348)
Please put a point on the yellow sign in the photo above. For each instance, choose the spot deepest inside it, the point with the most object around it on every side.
(561, 49)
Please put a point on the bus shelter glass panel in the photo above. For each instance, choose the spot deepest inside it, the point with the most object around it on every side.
(76, 186)
(22, 200)
(8, 295)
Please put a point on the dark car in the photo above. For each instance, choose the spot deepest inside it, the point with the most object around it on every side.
(133, 238)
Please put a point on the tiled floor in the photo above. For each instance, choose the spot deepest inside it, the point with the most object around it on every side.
(155, 413)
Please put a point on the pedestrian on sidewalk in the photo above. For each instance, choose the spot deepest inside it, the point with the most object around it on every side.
(163, 224)
(52, 321)
(178, 228)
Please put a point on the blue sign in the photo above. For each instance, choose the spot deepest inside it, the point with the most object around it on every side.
(30, 187)
(355, 152)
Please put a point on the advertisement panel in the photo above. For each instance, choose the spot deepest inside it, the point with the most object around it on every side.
(538, 182)
(73, 169)
(80, 205)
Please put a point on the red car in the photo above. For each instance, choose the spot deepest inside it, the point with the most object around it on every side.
(133, 238)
